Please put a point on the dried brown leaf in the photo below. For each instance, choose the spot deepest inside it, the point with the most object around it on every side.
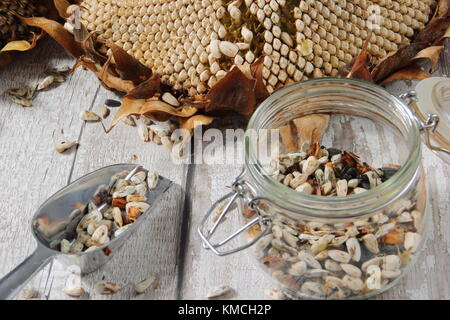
(23, 45)
(409, 73)
(109, 80)
(445, 36)
(128, 67)
(150, 107)
(359, 66)
(195, 121)
(57, 32)
(437, 26)
(433, 31)
(233, 92)
(430, 54)
(146, 89)
(397, 60)
(256, 68)
(287, 137)
(61, 6)
(312, 127)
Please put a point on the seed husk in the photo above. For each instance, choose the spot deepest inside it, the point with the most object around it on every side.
(64, 146)
(104, 287)
(75, 292)
(149, 283)
(89, 116)
(218, 291)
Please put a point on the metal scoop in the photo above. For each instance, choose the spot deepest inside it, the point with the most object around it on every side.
(56, 219)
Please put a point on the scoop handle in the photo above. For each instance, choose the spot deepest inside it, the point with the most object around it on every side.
(14, 281)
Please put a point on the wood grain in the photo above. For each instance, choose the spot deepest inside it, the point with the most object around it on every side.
(30, 169)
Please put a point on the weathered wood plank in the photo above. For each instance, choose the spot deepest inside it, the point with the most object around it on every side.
(154, 249)
(30, 169)
(204, 270)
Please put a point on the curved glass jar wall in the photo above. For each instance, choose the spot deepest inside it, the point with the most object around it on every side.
(340, 247)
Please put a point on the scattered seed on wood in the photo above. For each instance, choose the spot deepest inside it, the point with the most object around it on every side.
(132, 159)
(150, 283)
(47, 82)
(21, 101)
(113, 103)
(129, 121)
(105, 112)
(218, 291)
(28, 293)
(104, 287)
(64, 146)
(90, 116)
(75, 292)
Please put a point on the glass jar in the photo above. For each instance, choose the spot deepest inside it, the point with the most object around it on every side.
(324, 247)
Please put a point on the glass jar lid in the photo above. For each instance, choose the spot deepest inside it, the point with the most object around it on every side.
(431, 104)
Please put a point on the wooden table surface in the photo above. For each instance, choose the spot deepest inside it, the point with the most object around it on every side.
(169, 247)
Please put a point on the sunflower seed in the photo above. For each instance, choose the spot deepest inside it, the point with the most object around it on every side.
(373, 282)
(75, 292)
(412, 241)
(354, 249)
(170, 99)
(21, 101)
(372, 262)
(65, 146)
(138, 177)
(76, 246)
(105, 112)
(309, 259)
(117, 216)
(289, 238)
(275, 294)
(144, 285)
(351, 270)
(339, 256)
(355, 284)
(28, 293)
(44, 84)
(104, 287)
(310, 165)
(121, 230)
(129, 121)
(341, 188)
(371, 243)
(152, 179)
(90, 116)
(65, 246)
(298, 268)
(331, 265)
(305, 188)
(218, 291)
(112, 103)
(312, 287)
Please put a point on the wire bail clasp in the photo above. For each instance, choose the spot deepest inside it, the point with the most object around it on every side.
(243, 191)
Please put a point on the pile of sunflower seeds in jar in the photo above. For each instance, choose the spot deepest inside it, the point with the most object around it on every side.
(127, 200)
(329, 172)
(339, 260)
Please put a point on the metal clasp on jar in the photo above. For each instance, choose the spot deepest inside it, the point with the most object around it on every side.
(428, 125)
(244, 191)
